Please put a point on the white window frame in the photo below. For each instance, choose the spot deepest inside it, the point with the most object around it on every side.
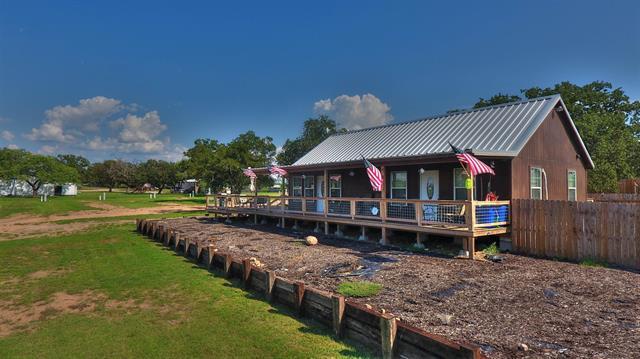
(294, 187)
(456, 188)
(335, 188)
(406, 184)
(309, 180)
(531, 187)
(575, 188)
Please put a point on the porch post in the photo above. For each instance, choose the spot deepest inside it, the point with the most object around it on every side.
(383, 196)
(419, 237)
(471, 246)
(383, 237)
(363, 236)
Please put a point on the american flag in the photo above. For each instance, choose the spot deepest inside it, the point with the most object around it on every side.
(249, 173)
(474, 165)
(375, 176)
(273, 169)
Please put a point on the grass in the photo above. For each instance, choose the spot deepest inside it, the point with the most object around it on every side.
(83, 201)
(593, 263)
(187, 312)
(360, 289)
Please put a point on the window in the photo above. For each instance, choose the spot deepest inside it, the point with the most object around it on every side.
(536, 183)
(459, 188)
(399, 185)
(296, 186)
(572, 183)
(309, 186)
(335, 186)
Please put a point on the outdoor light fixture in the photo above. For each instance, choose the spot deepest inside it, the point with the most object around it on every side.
(351, 173)
(421, 170)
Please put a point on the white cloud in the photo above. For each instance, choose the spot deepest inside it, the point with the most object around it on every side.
(12, 146)
(355, 112)
(68, 123)
(7, 135)
(47, 150)
(134, 129)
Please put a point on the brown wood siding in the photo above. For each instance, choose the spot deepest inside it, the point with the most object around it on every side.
(553, 148)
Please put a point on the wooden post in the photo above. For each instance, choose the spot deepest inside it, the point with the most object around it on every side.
(271, 279)
(337, 305)
(255, 219)
(326, 228)
(187, 243)
(227, 265)
(383, 238)
(388, 329)
(177, 239)
(246, 272)
(471, 246)
(326, 193)
(210, 256)
(383, 196)
(298, 288)
(167, 237)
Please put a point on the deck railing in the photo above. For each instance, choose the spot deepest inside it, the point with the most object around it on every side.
(466, 214)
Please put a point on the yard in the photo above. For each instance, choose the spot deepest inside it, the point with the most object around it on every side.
(98, 289)
(554, 308)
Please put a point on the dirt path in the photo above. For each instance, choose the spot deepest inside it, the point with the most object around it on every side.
(27, 225)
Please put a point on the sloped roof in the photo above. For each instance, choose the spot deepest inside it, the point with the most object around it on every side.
(501, 130)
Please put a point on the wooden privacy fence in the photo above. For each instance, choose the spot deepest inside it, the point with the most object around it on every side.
(381, 332)
(631, 185)
(615, 197)
(603, 231)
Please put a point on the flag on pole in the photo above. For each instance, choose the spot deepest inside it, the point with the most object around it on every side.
(375, 176)
(273, 169)
(474, 165)
(249, 173)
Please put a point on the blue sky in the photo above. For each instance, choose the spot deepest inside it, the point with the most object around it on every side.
(144, 79)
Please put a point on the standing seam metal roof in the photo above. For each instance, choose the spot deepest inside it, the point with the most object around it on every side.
(498, 130)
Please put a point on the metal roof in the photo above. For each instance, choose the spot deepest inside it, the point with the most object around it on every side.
(501, 130)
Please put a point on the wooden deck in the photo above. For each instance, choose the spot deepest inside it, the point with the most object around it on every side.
(469, 219)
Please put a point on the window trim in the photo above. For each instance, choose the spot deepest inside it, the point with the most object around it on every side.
(405, 188)
(294, 187)
(531, 188)
(455, 188)
(575, 188)
(332, 188)
(306, 181)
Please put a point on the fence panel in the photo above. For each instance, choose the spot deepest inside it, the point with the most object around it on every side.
(604, 231)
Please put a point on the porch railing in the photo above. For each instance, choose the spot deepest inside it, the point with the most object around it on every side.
(466, 214)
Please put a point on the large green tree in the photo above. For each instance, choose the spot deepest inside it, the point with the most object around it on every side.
(80, 163)
(220, 165)
(161, 174)
(34, 169)
(608, 122)
(315, 130)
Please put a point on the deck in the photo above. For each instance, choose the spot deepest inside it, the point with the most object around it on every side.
(468, 219)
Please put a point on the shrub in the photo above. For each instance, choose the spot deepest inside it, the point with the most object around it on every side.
(359, 289)
(592, 263)
(492, 249)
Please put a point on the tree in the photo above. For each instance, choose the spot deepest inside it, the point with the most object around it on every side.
(161, 174)
(220, 165)
(80, 163)
(315, 130)
(113, 173)
(498, 99)
(34, 169)
(608, 122)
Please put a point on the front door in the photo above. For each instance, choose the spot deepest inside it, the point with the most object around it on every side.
(320, 193)
(429, 185)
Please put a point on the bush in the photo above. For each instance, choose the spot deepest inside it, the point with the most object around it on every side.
(592, 263)
(491, 250)
(359, 289)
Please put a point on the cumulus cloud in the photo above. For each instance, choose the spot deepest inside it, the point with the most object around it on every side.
(355, 112)
(12, 146)
(68, 123)
(139, 129)
(7, 135)
(47, 150)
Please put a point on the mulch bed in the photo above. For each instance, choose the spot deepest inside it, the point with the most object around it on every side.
(557, 309)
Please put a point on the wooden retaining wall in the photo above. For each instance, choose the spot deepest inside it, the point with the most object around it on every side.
(380, 332)
(603, 231)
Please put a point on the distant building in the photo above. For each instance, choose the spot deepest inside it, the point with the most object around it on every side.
(21, 188)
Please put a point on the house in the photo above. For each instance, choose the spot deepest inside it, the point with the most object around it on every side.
(532, 145)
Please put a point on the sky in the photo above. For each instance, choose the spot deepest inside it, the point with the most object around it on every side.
(137, 80)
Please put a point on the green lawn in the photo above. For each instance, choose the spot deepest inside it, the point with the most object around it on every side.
(83, 201)
(140, 300)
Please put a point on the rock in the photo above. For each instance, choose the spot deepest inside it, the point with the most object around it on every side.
(445, 319)
(311, 240)
(368, 306)
(255, 262)
(523, 347)
(495, 258)
(549, 293)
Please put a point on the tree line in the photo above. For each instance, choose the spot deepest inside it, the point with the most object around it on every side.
(607, 120)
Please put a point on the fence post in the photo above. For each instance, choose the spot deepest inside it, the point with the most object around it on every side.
(388, 330)
(298, 288)
(337, 305)
(227, 265)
